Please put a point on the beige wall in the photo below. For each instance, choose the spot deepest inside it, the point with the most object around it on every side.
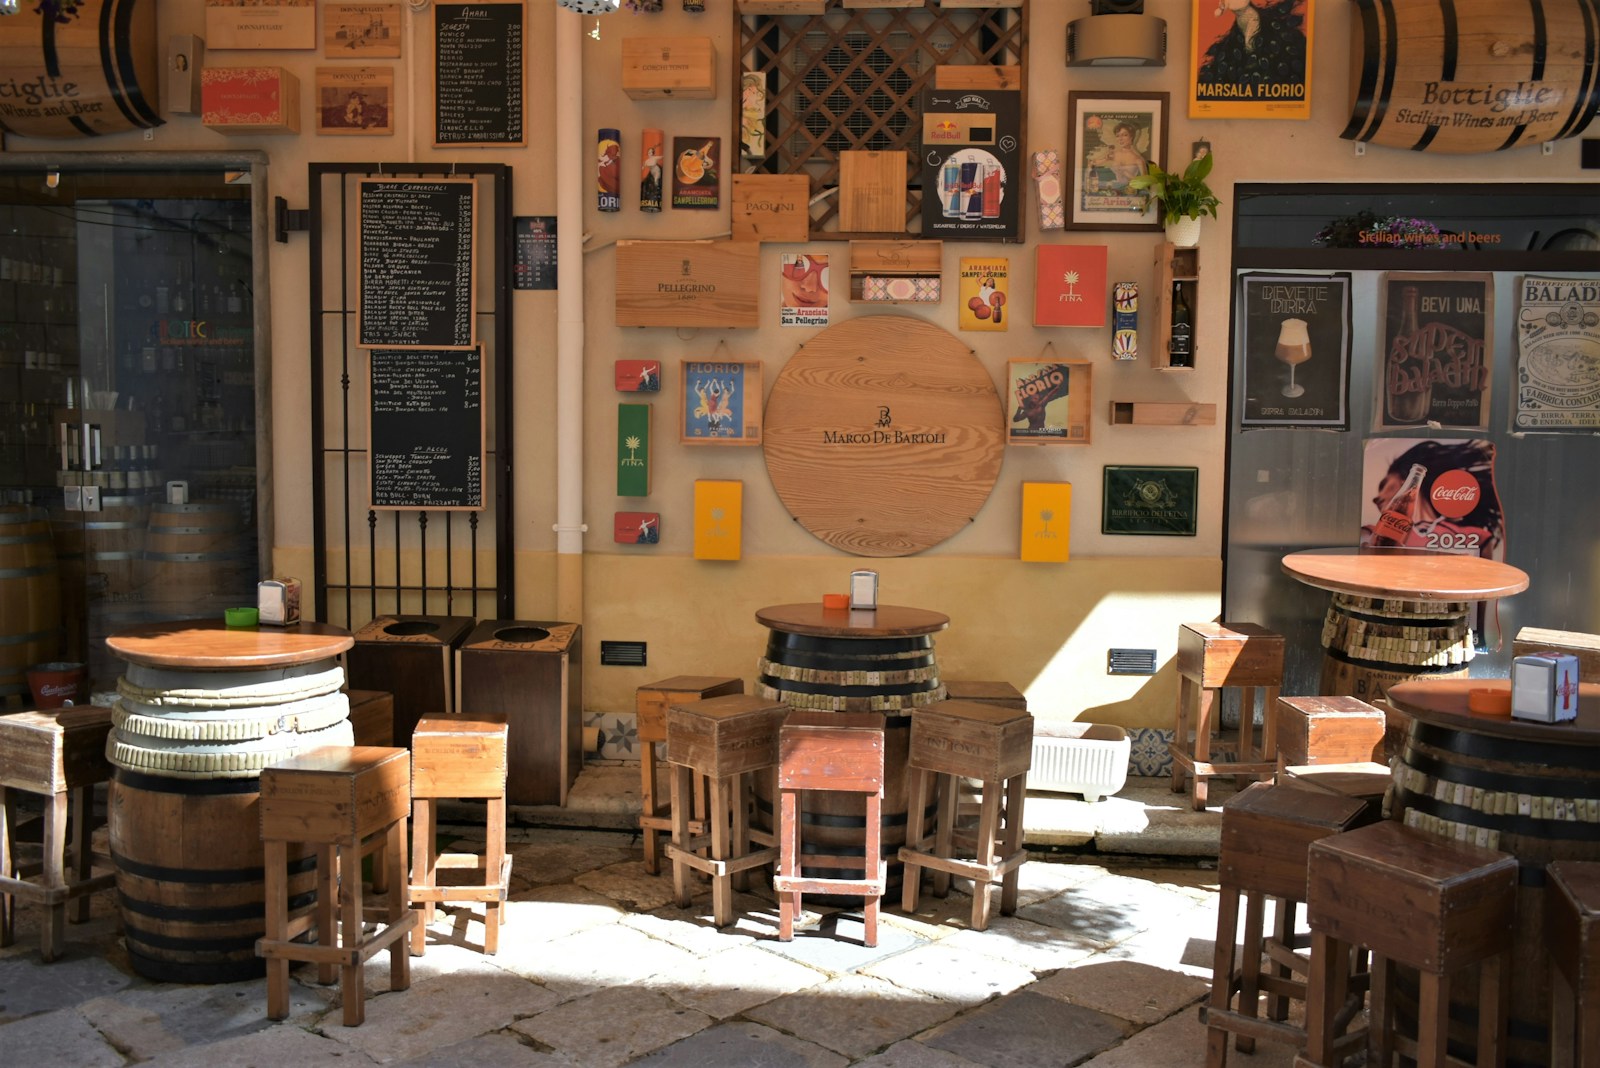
(1044, 627)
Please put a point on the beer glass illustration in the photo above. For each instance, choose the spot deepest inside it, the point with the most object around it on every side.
(1294, 349)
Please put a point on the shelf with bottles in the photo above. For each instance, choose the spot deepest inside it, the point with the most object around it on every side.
(1177, 284)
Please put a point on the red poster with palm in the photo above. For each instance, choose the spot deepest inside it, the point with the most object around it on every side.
(1070, 286)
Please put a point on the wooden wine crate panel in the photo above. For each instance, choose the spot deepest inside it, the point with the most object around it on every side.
(688, 283)
(977, 75)
(782, 7)
(335, 794)
(872, 191)
(1586, 647)
(723, 736)
(682, 68)
(771, 207)
(1162, 413)
(972, 738)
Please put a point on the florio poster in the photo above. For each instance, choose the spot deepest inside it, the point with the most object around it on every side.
(1558, 355)
(1437, 359)
(1251, 59)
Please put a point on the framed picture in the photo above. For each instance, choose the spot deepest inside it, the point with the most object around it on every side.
(361, 31)
(1047, 402)
(1111, 139)
(1150, 500)
(355, 100)
(1438, 351)
(1250, 61)
(1296, 342)
(720, 402)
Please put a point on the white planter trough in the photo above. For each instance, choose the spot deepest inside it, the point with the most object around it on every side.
(1079, 758)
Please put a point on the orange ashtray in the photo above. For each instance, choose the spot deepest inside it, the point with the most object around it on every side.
(1489, 702)
(836, 600)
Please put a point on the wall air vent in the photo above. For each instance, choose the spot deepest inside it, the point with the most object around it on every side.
(622, 654)
(839, 97)
(1131, 662)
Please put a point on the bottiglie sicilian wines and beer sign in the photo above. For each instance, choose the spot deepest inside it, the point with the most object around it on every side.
(1437, 355)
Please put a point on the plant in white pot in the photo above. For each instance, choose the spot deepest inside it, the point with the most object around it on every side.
(1185, 198)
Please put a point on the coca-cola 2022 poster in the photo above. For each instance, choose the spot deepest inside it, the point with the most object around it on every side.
(1458, 509)
(1296, 343)
(1437, 358)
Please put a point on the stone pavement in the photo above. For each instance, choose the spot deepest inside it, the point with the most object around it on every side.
(1103, 965)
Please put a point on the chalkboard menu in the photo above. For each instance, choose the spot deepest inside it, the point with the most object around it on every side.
(426, 431)
(477, 74)
(416, 264)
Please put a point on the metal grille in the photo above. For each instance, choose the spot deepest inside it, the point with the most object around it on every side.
(852, 80)
(1131, 662)
(434, 561)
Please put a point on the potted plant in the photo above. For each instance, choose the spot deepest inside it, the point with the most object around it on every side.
(1184, 198)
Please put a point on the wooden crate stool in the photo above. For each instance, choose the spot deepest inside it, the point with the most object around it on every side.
(994, 693)
(1266, 832)
(839, 751)
(1572, 934)
(332, 799)
(651, 701)
(1212, 656)
(1365, 781)
(990, 743)
(726, 740)
(459, 757)
(58, 755)
(1414, 899)
(372, 717)
(1327, 730)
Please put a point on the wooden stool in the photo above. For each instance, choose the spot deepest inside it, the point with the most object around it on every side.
(1211, 656)
(725, 739)
(59, 755)
(1413, 899)
(1572, 934)
(459, 757)
(372, 717)
(1327, 730)
(994, 693)
(332, 799)
(839, 751)
(652, 700)
(1266, 832)
(989, 742)
(1364, 781)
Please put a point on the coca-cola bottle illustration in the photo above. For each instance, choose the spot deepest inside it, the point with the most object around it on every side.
(1408, 386)
(1394, 525)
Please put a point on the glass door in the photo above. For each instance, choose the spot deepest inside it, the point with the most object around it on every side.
(128, 411)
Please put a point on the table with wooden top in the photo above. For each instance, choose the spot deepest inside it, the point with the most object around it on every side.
(1398, 613)
(852, 660)
(211, 645)
(1526, 788)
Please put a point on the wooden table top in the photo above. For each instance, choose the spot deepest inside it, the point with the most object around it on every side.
(1405, 574)
(885, 621)
(209, 644)
(1443, 703)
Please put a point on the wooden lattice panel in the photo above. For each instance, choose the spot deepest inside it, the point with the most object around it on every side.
(852, 80)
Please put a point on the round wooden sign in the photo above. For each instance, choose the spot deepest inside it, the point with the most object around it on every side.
(884, 435)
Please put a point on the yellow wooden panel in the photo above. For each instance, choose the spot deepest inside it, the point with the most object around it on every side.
(1046, 521)
(718, 519)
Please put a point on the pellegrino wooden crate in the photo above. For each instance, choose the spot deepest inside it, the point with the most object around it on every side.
(688, 283)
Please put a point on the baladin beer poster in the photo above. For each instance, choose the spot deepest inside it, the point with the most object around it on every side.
(1437, 362)
(1558, 355)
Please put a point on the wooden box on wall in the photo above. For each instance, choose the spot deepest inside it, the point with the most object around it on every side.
(771, 207)
(657, 67)
(412, 657)
(531, 673)
(250, 100)
(689, 283)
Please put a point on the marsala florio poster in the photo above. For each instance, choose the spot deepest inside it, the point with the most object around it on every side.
(1251, 59)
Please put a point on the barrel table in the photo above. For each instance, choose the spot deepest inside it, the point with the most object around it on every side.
(1528, 789)
(1398, 614)
(851, 660)
(202, 708)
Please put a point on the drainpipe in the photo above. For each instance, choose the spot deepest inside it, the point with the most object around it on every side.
(571, 182)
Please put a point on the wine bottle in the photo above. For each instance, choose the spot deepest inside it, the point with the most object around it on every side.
(1180, 349)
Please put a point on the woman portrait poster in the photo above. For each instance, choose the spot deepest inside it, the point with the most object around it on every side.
(1113, 138)
(1250, 59)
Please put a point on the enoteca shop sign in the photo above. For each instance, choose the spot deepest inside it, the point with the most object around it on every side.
(884, 435)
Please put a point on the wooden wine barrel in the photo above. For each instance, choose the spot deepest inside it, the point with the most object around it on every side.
(80, 70)
(185, 830)
(108, 543)
(30, 597)
(1538, 800)
(892, 675)
(197, 559)
(1370, 643)
(1473, 75)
